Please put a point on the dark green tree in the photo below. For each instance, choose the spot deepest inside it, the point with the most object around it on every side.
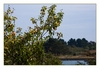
(84, 43)
(55, 46)
(72, 42)
(92, 45)
(78, 42)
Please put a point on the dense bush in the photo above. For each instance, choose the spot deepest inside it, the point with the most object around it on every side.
(27, 48)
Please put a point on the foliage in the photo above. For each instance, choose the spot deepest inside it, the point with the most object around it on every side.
(89, 62)
(55, 46)
(92, 62)
(82, 43)
(72, 47)
(27, 48)
(72, 42)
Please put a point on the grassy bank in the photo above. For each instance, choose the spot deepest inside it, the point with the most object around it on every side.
(79, 57)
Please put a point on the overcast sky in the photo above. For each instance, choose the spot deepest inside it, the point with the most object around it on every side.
(79, 20)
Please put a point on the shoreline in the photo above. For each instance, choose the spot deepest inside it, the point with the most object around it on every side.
(76, 57)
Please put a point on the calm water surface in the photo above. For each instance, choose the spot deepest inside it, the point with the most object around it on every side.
(73, 62)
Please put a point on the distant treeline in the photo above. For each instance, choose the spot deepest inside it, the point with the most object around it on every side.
(72, 47)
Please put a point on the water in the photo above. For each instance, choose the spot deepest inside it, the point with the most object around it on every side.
(73, 62)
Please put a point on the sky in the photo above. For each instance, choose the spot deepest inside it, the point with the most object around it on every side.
(79, 20)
